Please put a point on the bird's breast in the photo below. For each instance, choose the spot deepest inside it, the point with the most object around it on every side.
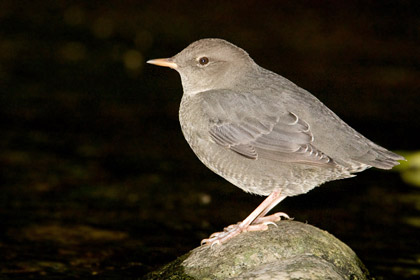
(193, 121)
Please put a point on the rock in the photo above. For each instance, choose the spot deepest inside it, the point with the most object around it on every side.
(292, 250)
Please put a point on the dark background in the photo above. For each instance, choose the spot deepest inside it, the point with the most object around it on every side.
(97, 180)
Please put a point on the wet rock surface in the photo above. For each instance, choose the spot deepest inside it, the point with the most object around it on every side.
(291, 250)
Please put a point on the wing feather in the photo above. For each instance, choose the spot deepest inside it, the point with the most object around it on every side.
(277, 135)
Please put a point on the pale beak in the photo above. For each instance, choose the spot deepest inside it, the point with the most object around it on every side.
(165, 62)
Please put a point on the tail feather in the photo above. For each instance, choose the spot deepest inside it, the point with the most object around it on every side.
(381, 158)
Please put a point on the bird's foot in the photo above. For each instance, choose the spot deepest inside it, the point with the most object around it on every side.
(271, 218)
(231, 231)
(259, 224)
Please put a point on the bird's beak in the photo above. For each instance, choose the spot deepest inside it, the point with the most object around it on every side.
(166, 62)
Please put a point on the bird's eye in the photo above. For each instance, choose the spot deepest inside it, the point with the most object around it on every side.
(203, 60)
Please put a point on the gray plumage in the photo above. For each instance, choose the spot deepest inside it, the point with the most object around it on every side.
(259, 130)
(262, 132)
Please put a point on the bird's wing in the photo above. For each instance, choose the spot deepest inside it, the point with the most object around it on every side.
(254, 128)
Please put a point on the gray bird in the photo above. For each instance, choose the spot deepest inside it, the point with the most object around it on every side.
(261, 132)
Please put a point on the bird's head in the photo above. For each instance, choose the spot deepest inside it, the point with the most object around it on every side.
(209, 64)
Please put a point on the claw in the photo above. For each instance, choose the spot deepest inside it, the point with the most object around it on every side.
(259, 224)
(271, 223)
(256, 221)
(216, 242)
(284, 215)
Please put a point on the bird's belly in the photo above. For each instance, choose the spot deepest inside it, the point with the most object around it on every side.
(262, 176)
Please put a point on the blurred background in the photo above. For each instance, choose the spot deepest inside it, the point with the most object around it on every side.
(96, 177)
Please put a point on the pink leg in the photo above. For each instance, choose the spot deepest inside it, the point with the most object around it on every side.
(256, 221)
(262, 218)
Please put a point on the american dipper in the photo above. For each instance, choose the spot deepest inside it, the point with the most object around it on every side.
(261, 132)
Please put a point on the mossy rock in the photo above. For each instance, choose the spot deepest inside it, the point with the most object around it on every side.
(292, 250)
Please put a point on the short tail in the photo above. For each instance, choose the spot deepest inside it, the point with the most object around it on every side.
(380, 157)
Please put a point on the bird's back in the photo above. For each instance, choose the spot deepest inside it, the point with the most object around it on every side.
(264, 103)
(331, 134)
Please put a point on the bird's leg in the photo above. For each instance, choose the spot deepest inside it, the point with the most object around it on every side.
(262, 218)
(256, 221)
